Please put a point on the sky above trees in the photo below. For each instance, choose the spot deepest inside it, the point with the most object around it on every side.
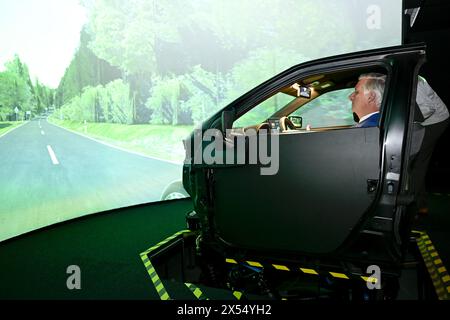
(44, 33)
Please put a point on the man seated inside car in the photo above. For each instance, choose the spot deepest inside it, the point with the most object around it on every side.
(366, 99)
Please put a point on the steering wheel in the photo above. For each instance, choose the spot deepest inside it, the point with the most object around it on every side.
(286, 124)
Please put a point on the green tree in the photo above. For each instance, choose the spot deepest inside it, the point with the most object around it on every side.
(207, 91)
(8, 97)
(22, 90)
(127, 34)
(41, 98)
(85, 69)
(259, 66)
(121, 105)
(17, 90)
(196, 95)
(110, 103)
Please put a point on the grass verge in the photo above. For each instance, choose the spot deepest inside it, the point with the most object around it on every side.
(6, 126)
(160, 141)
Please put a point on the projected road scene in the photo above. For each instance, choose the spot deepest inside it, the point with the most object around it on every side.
(96, 97)
(53, 174)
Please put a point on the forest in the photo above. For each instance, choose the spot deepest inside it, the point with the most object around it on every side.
(175, 63)
(18, 93)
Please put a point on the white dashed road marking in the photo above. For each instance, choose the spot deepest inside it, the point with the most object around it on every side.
(52, 155)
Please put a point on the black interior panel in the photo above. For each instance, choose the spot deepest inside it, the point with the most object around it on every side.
(317, 197)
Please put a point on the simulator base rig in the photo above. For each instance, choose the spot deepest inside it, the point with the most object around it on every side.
(186, 267)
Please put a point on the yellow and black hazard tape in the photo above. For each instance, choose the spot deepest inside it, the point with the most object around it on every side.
(436, 269)
(237, 294)
(165, 241)
(159, 286)
(308, 271)
(198, 293)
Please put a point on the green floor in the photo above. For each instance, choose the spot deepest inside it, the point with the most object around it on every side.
(106, 247)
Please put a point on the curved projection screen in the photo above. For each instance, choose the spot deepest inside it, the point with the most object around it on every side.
(96, 96)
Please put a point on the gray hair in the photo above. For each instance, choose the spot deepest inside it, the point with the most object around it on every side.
(376, 83)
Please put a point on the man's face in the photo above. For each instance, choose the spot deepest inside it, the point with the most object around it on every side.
(360, 100)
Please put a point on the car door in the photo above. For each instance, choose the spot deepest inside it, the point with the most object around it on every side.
(336, 192)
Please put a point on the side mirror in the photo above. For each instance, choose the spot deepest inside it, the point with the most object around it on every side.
(297, 121)
(227, 120)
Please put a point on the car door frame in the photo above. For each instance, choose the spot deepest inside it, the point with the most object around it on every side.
(392, 196)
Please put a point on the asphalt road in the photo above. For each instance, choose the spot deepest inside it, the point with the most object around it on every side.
(50, 175)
